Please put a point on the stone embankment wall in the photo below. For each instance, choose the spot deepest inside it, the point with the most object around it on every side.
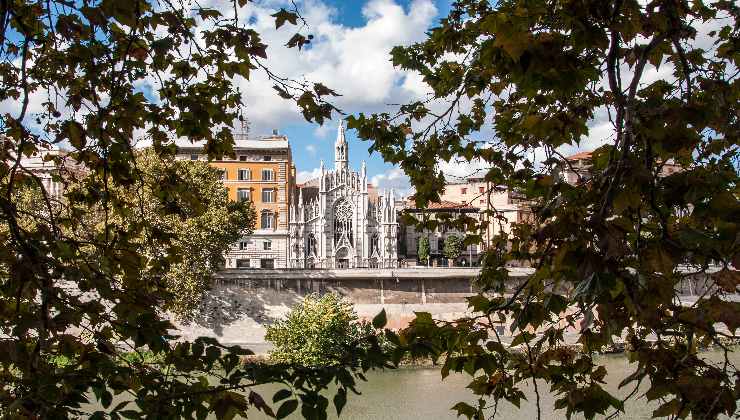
(243, 302)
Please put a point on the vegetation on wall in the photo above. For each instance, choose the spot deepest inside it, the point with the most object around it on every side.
(513, 85)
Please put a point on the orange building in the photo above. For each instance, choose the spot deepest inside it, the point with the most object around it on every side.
(263, 172)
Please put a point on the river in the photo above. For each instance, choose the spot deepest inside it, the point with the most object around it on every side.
(419, 393)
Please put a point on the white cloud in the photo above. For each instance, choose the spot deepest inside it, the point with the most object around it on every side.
(354, 61)
(323, 131)
(303, 176)
(393, 179)
(310, 148)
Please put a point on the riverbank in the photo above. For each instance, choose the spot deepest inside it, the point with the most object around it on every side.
(618, 347)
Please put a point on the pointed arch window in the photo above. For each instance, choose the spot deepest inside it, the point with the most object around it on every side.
(375, 244)
(311, 244)
(342, 221)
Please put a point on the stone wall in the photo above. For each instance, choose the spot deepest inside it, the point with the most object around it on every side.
(243, 302)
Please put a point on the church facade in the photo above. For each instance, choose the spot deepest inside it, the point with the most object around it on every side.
(334, 221)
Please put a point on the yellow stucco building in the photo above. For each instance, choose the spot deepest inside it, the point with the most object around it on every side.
(263, 172)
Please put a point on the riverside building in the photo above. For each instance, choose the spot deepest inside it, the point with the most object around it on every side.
(491, 202)
(263, 172)
(335, 222)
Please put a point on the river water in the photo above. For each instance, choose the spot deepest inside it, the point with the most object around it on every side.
(420, 393)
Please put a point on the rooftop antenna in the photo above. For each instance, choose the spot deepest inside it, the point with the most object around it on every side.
(245, 125)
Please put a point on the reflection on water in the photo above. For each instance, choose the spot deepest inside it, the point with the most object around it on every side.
(421, 394)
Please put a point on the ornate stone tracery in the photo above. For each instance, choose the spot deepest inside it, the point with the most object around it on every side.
(342, 222)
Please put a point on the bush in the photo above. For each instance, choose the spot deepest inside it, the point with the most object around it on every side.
(317, 332)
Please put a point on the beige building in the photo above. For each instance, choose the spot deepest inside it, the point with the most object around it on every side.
(52, 169)
(263, 172)
(490, 201)
(409, 236)
(578, 168)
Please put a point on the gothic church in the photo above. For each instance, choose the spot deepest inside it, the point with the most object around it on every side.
(336, 223)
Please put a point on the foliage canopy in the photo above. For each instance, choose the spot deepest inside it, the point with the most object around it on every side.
(452, 247)
(90, 284)
(423, 249)
(514, 83)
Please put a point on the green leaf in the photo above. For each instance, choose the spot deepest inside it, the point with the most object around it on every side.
(286, 409)
(668, 409)
(257, 401)
(281, 395)
(465, 409)
(380, 320)
(340, 399)
(283, 16)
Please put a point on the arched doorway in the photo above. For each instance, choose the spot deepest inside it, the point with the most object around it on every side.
(341, 257)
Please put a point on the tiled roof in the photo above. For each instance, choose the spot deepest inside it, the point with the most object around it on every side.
(442, 205)
(580, 156)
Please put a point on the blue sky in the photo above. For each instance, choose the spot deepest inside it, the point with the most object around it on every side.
(349, 54)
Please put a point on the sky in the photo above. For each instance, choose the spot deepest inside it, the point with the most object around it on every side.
(350, 54)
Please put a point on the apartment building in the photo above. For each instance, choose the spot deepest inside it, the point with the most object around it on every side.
(578, 168)
(491, 201)
(409, 236)
(263, 172)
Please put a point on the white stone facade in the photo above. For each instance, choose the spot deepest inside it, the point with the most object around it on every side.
(335, 224)
(262, 249)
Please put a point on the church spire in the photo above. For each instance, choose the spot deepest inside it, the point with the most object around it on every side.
(340, 150)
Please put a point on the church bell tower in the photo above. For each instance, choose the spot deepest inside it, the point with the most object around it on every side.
(340, 150)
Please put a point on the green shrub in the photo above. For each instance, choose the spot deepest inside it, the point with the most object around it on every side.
(316, 332)
(423, 249)
(453, 247)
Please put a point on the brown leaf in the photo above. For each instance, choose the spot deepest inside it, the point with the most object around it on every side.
(727, 279)
(256, 400)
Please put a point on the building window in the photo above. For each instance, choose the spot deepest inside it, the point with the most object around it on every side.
(243, 245)
(267, 245)
(267, 175)
(193, 157)
(482, 201)
(342, 221)
(481, 189)
(243, 194)
(312, 244)
(375, 244)
(267, 221)
(243, 158)
(267, 263)
(242, 263)
(222, 174)
(267, 158)
(268, 195)
(464, 202)
(244, 175)
(463, 191)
